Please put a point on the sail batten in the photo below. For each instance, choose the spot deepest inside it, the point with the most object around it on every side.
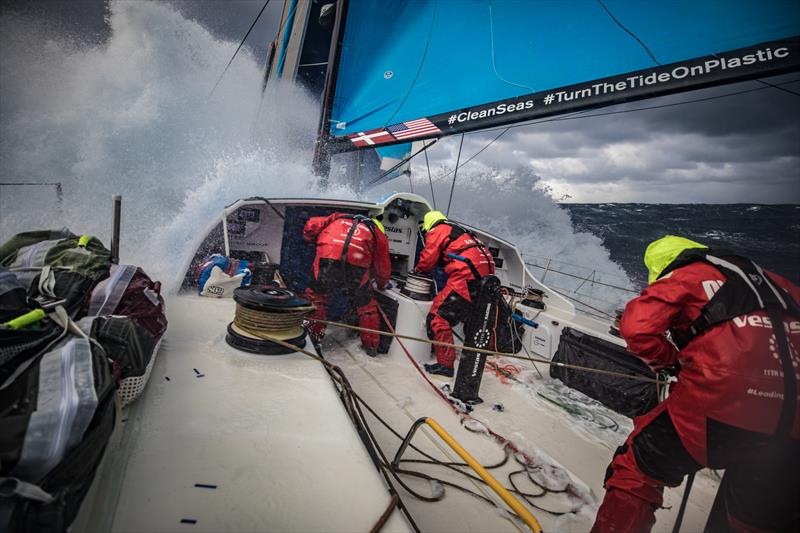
(428, 68)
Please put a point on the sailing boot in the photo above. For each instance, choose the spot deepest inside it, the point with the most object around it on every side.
(371, 351)
(439, 369)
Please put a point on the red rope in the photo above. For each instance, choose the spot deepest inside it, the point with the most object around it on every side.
(503, 373)
(499, 438)
(416, 365)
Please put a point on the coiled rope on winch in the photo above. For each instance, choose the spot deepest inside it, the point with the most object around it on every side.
(418, 287)
(269, 323)
(267, 313)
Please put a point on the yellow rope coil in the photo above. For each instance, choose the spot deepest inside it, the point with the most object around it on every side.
(264, 323)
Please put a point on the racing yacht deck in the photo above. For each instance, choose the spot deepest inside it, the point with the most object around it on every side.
(223, 440)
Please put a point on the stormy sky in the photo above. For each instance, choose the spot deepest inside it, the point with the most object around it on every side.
(738, 149)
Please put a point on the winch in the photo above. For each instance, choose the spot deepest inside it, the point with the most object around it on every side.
(418, 287)
(268, 312)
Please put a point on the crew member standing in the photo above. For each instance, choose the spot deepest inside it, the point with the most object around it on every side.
(351, 250)
(453, 304)
(735, 332)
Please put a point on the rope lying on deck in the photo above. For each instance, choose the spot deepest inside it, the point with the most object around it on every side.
(353, 403)
(492, 353)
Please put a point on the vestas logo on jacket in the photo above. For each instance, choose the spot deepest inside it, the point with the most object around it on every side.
(711, 287)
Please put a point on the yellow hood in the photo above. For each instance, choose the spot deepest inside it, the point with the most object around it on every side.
(431, 218)
(663, 251)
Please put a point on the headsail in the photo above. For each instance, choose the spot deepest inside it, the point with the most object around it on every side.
(438, 67)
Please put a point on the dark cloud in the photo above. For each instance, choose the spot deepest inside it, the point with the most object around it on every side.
(738, 148)
(226, 19)
(741, 148)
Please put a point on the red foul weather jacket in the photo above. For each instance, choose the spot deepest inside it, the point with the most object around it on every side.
(438, 245)
(367, 248)
(731, 373)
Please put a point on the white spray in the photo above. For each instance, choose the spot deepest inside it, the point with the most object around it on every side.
(133, 116)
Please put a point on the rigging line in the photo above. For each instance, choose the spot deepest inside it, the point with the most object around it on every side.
(576, 300)
(584, 267)
(430, 180)
(581, 277)
(431, 460)
(778, 87)
(660, 106)
(476, 154)
(673, 104)
(455, 175)
(353, 402)
(419, 70)
(239, 47)
(494, 65)
(401, 163)
(490, 353)
(610, 14)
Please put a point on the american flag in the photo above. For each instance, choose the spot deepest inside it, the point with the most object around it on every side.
(413, 128)
(370, 138)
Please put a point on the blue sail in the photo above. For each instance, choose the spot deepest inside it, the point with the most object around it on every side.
(408, 59)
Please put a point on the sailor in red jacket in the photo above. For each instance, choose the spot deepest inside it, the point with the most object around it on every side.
(727, 409)
(454, 302)
(351, 250)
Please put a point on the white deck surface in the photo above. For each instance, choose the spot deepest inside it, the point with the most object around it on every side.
(272, 434)
(396, 390)
(269, 432)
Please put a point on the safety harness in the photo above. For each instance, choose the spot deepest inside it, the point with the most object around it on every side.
(746, 289)
(457, 231)
(357, 219)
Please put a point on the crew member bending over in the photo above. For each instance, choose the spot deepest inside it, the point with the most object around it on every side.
(351, 250)
(453, 304)
(736, 339)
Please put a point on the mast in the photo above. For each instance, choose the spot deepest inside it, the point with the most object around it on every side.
(322, 153)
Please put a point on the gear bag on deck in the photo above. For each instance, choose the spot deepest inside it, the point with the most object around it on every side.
(130, 292)
(625, 396)
(130, 347)
(57, 265)
(130, 337)
(18, 345)
(56, 417)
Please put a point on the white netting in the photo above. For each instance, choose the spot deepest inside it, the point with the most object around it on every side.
(131, 388)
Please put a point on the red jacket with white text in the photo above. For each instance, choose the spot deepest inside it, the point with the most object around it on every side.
(731, 373)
